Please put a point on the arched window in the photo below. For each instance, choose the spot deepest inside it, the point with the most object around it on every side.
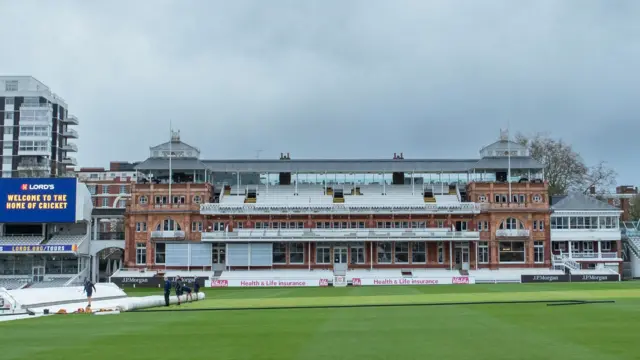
(511, 224)
(168, 225)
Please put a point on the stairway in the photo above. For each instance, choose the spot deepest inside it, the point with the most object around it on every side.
(428, 196)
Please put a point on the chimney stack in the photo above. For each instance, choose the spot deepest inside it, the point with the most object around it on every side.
(592, 190)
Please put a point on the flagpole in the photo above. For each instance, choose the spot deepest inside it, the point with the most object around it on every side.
(509, 161)
(170, 156)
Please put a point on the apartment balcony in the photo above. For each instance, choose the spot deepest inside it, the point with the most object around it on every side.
(36, 105)
(69, 161)
(70, 147)
(512, 233)
(38, 166)
(70, 133)
(71, 120)
(166, 235)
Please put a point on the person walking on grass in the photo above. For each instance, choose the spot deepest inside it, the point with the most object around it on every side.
(167, 290)
(89, 288)
(178, 288)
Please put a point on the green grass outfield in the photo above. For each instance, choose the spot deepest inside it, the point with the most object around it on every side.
(504, 331)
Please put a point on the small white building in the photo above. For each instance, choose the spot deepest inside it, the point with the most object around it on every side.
(585, 232)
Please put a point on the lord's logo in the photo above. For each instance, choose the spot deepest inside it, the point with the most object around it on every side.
(25, 187)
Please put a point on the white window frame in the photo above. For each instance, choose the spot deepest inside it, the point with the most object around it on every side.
(418, 247)
(155, 259)
(321, 250)
(141, 226)
(401, 245)
(143, 200)
(280, 249)
(141, 254)
(196, 226)
(483, 252)
(296, 248)
(538, 252)
(387, 250)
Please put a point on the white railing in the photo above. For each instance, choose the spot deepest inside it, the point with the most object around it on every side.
(70, 147)
(69, 133)
(512, 233)
(591, 255)
(343, 234)
(167, 234)
(215, 209)
(8, 299)
(72, 119)
(74, 279)
(35, 105)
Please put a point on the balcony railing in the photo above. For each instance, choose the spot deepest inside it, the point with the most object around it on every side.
(42, 165)
(70, 147)
(511, 206)
(343, 234)
(69, 161)
(35, 105)
(167, 234)
(590, 255)
(71, 119)
(381, 208)
(507, 233)
(70, 133)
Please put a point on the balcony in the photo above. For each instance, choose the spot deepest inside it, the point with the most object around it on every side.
(71, 120)
(36, 165)
(586, 234)
(167, 235)
(343, 235)
(36, 105)
(110, 236)
(592, 256)
(70, 147)
(69, 161)
(514, 206)
(512, 233)
(70, 133)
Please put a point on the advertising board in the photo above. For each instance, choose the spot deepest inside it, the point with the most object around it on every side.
(38, 248)
(454, 280)
(38, 200)
(268, 283)
(594, 278)
(568, 278)
(543, 278)
(155, 281)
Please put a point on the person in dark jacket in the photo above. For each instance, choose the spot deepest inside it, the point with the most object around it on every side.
(196, 287)
(89, 288)
(178, 288)
(167, 290)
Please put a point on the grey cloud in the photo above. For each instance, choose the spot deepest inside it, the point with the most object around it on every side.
(335, 78)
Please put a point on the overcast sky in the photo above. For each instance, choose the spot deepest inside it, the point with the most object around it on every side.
(432, 79)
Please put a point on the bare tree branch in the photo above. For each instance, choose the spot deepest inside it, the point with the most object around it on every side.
(564, 169)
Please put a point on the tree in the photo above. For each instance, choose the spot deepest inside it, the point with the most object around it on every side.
(634, 208)
(564, 168)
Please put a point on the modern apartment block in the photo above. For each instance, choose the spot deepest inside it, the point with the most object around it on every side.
(36, 129)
